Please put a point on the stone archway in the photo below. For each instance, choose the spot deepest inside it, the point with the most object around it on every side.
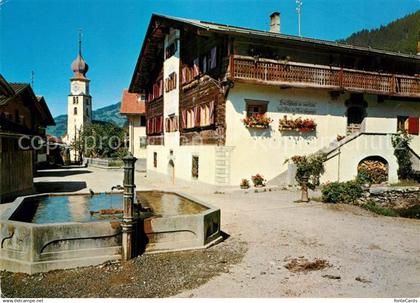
(374, 167)
(171, 171)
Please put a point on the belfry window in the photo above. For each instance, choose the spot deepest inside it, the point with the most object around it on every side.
(75, 111)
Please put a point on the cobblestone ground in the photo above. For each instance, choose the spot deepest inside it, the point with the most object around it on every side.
(367, 255)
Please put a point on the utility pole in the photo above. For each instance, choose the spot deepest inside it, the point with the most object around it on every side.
(298, 11)
(32, 79)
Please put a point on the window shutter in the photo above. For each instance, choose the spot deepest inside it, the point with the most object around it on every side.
(196, 67)
(413, 125)
(184, 74)
(204, 64)
(213, 57)
(196, 116)
(184, 119)
(211, 112)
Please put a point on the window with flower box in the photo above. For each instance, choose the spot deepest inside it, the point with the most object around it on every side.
(254, 107)
(256, 114)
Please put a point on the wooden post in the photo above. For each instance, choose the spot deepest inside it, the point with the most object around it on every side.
(232, 67)
(128, 222)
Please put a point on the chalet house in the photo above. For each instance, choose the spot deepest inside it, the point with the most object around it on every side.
(23, 117)
(133, 106)
(225, 103)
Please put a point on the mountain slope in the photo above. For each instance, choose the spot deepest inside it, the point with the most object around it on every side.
(110, 113)
(400, 35)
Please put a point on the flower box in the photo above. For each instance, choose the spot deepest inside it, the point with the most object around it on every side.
(299, 124)
(257, 121)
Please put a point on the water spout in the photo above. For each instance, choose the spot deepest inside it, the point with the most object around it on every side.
(117, 187)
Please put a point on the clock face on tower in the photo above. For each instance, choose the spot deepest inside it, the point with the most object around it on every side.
(75, 87)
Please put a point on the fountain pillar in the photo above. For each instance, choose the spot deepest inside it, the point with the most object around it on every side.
(128, 219)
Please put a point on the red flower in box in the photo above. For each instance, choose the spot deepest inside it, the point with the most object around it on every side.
(257, 121)
(299, 124)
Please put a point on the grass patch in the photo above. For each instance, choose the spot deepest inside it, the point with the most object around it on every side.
(373, 207)
(413, 212)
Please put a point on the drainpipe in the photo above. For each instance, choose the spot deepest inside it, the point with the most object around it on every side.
(128, 222)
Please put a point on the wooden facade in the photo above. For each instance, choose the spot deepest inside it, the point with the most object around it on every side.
(23, 118)
(16, 168)
(250, 56)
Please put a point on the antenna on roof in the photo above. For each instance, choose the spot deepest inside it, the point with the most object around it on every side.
(298, 11)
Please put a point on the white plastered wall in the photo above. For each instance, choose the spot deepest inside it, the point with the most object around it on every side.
(264, 151)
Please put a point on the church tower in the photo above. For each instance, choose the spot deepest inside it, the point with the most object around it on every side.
(79, 110)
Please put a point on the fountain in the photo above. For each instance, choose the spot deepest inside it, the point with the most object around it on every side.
(56, 231)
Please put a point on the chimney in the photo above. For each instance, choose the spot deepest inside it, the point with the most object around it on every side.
(275, 22)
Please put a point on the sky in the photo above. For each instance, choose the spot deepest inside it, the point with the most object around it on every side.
(42, 35)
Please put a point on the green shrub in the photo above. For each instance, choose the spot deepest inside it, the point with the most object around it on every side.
(373, 207)
(332, 192)
(363, 177)
(344, 192)
(401, 144)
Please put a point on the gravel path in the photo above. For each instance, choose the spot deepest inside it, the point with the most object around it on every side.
(367, 255)
(152, 275)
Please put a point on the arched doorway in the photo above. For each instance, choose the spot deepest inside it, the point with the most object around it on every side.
(374, 168)
(171, 171)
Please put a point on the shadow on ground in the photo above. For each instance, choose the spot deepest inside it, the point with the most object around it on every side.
(61, 173)
(59, 186)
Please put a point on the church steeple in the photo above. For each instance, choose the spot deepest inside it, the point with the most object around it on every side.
(79, 65)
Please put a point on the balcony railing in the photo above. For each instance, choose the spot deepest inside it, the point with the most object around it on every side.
(292, 74)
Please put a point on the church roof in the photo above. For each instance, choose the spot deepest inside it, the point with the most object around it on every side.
(132, 104)
(79, 65)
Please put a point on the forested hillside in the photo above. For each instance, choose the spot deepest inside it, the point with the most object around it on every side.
(400, 35)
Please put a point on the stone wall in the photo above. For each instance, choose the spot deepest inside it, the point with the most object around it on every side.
(393, 197)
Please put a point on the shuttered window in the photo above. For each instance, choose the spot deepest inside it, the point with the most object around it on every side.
(413, 125)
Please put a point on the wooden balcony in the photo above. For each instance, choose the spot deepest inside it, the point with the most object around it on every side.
(293, 74)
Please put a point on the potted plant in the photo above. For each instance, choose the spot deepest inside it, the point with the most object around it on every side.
(257, 121)
(258, 180)
(308, 170)
(244, 184)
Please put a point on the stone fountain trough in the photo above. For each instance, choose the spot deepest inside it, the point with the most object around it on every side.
(44, 232)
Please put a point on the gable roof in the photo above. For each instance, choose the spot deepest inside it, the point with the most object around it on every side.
(217, 27)
(131, 103)
(9, 92)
